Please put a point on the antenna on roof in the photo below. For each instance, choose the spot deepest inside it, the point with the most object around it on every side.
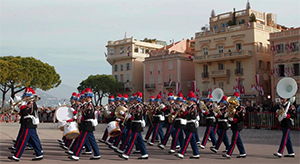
(125, 35)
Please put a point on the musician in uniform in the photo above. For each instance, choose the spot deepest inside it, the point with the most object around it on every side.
(177, 140)
(168, 110)
(158, 119)
(190, 114)
(222, 126)
(236, 119)
(87, 127)
(210, 122)
(286, 124)
(149, 108)
(136, 137)
(29, 123)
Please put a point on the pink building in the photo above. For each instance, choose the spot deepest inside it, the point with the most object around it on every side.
(169, 69)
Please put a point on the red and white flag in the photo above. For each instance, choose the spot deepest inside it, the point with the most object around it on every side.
(262, 89)
(177, 87)
(257, 79)
(194, 86)
(170, 82)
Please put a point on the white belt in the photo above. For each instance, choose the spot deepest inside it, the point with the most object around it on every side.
(178, 119)
(157, 115)
(137, 121)
(191, 121)
(29, 116)
(89, 119)
(211, 117)
(222, 120)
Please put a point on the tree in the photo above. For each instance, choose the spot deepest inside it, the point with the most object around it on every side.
(101, 85)
(17, 73)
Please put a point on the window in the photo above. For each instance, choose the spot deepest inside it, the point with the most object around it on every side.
(116, 68)
(220, 66)
(111, 51)
(151, 67)
(159, 68)
(170, 77)
(151, 79)
(121, 67)
(205, 51)
(221, 85)
(267, 48)
(261, 64)
(259, 47)
(127, 77)
(280, 48)
(220, 49)
(239, 69)
(158, 79)
(205, 68)
(136, 49)
(268, 65)
(170, 64)
(296, 69)
(127, 66)
(141, 50)
(216, 27)
(205, 71)
(116, 76)
(281, 70)
(121, 50)
(121, 77)
(242, 21)
(224, 25)
(238, 47)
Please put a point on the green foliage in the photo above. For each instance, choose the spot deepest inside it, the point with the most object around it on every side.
(230, 23)
(149, 40)
(21, 72)
(252, 17)
(101, 85)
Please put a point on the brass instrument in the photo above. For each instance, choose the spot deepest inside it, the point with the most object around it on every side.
(150, 115)
(118, 111)
(233, 102)
(34, 98)
(106, 108)
(171, 119)
(217, 109)
(127, 113)
(203, 106)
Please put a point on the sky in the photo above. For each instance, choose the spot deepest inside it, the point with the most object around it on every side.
(71, 35)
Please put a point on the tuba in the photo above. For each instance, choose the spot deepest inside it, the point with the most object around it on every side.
(106, 108)
(286, 88)
(118, 111)
(233, 102)
(217, 94)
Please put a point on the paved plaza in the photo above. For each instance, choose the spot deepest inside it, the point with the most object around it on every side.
(260, 144)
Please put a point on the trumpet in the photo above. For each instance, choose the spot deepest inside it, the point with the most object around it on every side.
(203, 106)
(217, 109)
(34, 98)
(171, 119)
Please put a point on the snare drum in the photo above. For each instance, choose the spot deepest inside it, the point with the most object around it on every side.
(71, 131)
(113, 129)
(64, 113)
(61, 125)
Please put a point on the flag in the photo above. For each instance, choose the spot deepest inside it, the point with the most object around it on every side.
(253, 88)
(150, 72)
(262, 89)
(194, 86)
(158, 71)
(170, 82)
(128, 53)
(238, 83)
(248, 24)
(177, 87)
(257, 79)
(243, 90)
(209, 90)
(234, 90)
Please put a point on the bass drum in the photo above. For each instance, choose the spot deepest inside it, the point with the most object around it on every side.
(113, 129)
(64, 113)
(71, 131)
(61, 125)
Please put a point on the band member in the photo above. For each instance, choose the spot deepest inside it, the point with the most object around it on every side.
(210, 122)
(222, 126)
(236, 119)
(137, 128)
(158, 119)
(177, 140)
(87, 128)
(112, 106)
(168, 110)
(29, 114)
(191, 128)
(149, 109)
(286, 124)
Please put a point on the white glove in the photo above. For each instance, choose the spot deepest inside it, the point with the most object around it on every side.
(108, 112)
(72, 109)
(216, 114)
(203, 111)
(162, 106)
(121, 112)
(230, 119)
(284, 115)
(106, 107)
(118, 119)
(23, 103)
(198, 118)
(129, 115)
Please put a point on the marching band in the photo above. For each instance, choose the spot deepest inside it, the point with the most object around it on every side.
(126, 120)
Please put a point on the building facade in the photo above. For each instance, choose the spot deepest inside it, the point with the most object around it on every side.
(126, 57)
(234, 54)
(285, 58)
(169, 69)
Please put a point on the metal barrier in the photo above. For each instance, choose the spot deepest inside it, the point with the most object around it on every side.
(9, 117)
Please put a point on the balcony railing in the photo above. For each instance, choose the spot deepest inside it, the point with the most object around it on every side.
(150, 86)
(223, 56)
(204, 93)
(239, 71)
(205, 75)
(167, 84)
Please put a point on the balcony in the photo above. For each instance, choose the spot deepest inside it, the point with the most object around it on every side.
(239, 71)
(220, 73)
(204, 93)
(205, 75)
(223, 57)
(168, 85)
(150, 87)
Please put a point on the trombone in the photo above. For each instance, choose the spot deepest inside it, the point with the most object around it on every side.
(34, 98)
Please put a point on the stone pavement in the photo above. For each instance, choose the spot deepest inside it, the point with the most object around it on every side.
(260, 144)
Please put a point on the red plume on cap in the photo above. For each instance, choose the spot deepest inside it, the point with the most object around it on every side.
(236, 94)
(151, 97)
(74, 94)
(191, 94)
(78, 96)
(88, 90)
(139, 94)
(184, 98)
(224, 98)
(32, 91)
(180, 95)
(119, 95)
(111, 97)
(210, 96)
(158, 96)
(170, 94)
(82, 92)
(125, 96)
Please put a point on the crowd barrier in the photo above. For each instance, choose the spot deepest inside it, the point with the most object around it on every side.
(9, 118)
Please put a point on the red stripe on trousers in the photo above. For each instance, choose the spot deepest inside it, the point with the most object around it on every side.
(154, 137)
(215, 130)
(170, 127)
(207, 136)
(124, 144)
(187, 143)
(237, 133)
(22, 143)
(175, 141)
(118, 140)
(77, 141)
(148, 134)
(19, 137)
(81, 144)
(133, 141)
(221, 139)
(287, 132)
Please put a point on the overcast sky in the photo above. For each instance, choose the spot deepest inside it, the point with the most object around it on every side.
(71, 35)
